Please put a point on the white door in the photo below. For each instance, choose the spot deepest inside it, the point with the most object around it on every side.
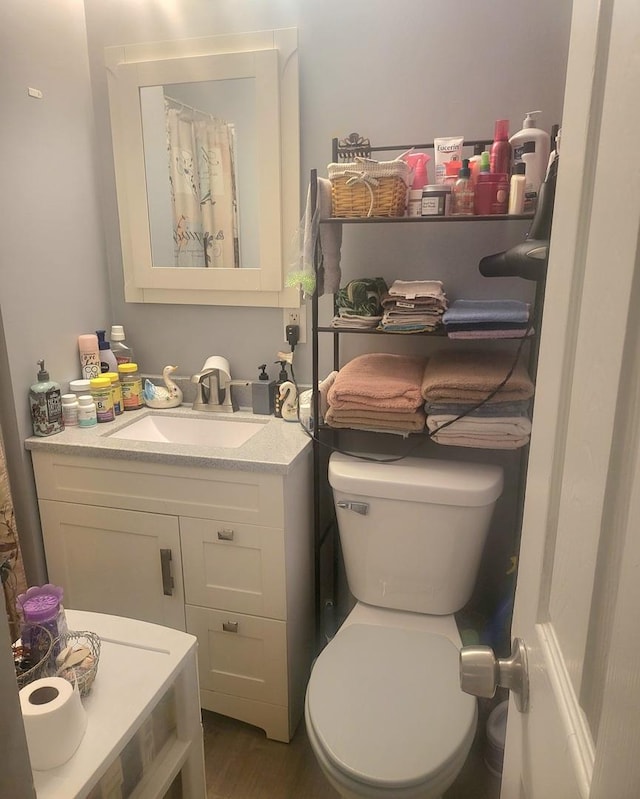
(577, 602)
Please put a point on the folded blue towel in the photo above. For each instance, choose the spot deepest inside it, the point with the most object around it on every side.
(462, 311)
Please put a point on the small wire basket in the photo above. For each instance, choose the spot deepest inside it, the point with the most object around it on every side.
(84, 672)
(34, 661)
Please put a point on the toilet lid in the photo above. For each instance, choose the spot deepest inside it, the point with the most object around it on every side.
(386, 705)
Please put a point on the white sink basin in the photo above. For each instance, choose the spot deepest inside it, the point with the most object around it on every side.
(182, 430)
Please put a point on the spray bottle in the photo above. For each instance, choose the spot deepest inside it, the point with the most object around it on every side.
(418, 163)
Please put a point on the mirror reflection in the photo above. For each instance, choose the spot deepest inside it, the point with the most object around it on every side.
(200, 159)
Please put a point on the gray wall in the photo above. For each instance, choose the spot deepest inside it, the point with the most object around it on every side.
(53, 276)
(396, 72)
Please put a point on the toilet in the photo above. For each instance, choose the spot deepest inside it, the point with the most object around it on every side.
(384, 712)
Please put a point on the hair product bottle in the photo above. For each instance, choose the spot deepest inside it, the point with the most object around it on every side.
(500, 151)
(89, 355)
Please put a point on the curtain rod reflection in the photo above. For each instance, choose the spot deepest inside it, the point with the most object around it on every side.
(184, 107)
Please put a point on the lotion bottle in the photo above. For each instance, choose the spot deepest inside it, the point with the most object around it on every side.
(45, 400)
(531, 146)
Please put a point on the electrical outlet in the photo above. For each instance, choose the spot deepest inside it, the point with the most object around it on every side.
(295, 316)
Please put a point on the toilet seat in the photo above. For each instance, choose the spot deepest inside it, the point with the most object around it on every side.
(386, 710)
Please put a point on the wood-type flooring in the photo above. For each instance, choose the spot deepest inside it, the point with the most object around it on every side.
(241, 763)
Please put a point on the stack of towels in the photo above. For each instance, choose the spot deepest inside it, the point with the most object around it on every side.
(413, 306)
(359, 304)
(455, 382)
(379, 392)
(475, 319)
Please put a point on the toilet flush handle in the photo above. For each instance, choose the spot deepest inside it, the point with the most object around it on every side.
(357, 507)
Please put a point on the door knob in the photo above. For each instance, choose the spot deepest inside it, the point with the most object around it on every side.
(481, 672)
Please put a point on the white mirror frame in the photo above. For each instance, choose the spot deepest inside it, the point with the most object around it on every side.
(271, 57)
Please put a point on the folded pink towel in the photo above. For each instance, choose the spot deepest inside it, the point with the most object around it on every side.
(469, 376)
(379, 381)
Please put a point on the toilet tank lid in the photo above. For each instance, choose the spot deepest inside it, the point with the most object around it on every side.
(427, 480)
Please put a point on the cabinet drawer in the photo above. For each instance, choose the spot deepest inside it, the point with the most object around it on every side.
(234, 566)
(241, 655)
(251, 497)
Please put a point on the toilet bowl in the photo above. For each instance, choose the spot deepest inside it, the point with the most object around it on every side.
(384, 712)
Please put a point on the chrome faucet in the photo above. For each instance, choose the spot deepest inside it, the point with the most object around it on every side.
(207, 390)
(211, 384)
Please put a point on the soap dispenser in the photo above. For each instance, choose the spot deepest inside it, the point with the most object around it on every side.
(283, 377)
(45, 399)
(263, 393)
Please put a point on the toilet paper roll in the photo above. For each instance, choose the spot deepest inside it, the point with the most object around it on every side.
(221, 364)
(54, 721)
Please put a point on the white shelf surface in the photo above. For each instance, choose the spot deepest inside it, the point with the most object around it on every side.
(138, 663)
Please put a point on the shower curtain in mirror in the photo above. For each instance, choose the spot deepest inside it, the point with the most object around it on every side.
(203, 188)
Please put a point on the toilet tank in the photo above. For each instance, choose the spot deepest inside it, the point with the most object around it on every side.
(412, 531)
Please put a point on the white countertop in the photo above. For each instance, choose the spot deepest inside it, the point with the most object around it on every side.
(138, 662)
(275, 448)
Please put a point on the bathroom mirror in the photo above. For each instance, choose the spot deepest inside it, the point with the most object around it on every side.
(206, 154)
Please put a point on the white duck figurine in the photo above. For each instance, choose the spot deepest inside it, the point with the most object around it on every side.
(159, 396)
(288, 394)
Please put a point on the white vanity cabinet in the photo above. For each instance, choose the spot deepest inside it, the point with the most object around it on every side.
(225, 554)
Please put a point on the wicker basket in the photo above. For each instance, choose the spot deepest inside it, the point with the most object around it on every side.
(366, 188)
(85, 673)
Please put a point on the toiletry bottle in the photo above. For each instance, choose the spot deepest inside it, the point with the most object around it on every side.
(500, 151)
(531, 145)
(45, 400)
(108, 361)
(282, 378)
(103, 398)
(516, 190)
(263, 393)
(70, 410)
(462, 192)
(89, 355)
(131, 385)
(87, 412)
(474, 162)
(120, 348)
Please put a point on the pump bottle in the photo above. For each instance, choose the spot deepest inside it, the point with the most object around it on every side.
(282, 378)
(45, 401)
(531, 146)
(108, 361)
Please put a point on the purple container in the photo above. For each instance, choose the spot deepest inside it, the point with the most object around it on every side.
(42, 606)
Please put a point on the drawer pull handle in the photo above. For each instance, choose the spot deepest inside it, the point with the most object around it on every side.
(230, 626)
(225, 535)
(165, 565)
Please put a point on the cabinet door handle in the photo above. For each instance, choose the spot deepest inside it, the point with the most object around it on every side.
(230, 626)
(225, 534)
(165, 565)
